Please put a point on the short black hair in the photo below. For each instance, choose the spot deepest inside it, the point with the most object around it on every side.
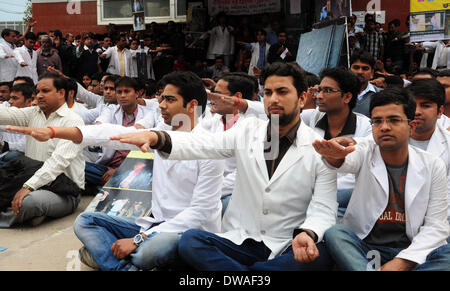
(399, 96)
(263, 32)
(394, 81)
(444, 73)
(430, 89)
(27, 80)
(9, 84)
(25, 89)
(6, 32)
(127, 82)
(285, 70)
(312, 79)
(426, 71)
(239, 83)
(72, 85)
(190, 87)
(97, 76)
(59, 82)
(112, 78)
(30, 35)
(348, 82)
(363, 57)
(395, 22)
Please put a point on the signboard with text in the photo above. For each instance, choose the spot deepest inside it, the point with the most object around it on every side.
(243, 7)
(429, 20)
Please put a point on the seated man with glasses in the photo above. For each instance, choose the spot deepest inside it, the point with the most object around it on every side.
(397, 216)
(336, 97)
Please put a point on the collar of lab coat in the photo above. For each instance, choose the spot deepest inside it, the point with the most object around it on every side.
(292, 156)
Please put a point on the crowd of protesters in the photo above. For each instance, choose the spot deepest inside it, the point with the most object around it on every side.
(258, 164)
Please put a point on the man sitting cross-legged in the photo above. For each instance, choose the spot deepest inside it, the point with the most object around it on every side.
(185, 194)
(398, 210)
(59, 156)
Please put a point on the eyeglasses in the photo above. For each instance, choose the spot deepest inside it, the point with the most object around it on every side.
(377, 122)
(326, 91)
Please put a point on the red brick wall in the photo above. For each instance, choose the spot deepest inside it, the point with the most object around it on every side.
(54, 16)
(394, 9)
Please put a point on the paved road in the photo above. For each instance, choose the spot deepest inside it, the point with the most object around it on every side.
(51, 246)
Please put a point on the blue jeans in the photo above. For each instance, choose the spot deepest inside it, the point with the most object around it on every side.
(98, 232)
(206, 251)
(94, 173)
(352, 254)
(225, 200)
(9, 156)
(343, 197)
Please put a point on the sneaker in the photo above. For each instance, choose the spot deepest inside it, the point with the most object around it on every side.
(37, 220)
(87, 259)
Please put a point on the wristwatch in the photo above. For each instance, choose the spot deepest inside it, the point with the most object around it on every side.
(138, 239)
(28, 187)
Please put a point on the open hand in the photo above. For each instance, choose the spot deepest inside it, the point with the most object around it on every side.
(142, 140)
(40, 134)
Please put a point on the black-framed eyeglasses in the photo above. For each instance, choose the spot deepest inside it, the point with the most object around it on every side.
(376, 122)
(326, 90)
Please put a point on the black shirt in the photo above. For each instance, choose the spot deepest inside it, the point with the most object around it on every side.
(348, 129)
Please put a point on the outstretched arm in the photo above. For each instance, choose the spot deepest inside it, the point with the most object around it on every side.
(335, 150)
(44, 134)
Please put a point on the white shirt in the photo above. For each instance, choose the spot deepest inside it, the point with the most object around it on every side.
(59, 155)
(8, 66)
(425, 197)
(300, 194)
(23, 56)
(363, 129)
(369, 87)
(185, 194)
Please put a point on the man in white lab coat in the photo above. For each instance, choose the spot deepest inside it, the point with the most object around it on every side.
(8, 63)
(334, 116)
(284, 197)
(27, 58)
(185, 194)
(119, 58)
(428, 135)
(397, 216)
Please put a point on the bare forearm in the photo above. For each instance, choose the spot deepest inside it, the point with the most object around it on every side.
(69, 133)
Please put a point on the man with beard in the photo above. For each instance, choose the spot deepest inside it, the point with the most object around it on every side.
(363, 64)
(428, 135)
(275, 215)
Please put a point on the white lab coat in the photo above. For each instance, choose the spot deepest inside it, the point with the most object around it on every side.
(439, 145)
(22, 56)
(114, 114)
(425, 197)
(221, 41)
(300, 194)
(8, 66)
(255, 56)
(185, 194)
(114, 61)
(214, 124)
(363, 129)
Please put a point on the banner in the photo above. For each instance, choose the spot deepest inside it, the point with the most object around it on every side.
(243, 7)
(427, 5)
(429, 20)
(128, 192)
(138, 11)
(331, 9)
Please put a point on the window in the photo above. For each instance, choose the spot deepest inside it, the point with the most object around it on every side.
(119, 11)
